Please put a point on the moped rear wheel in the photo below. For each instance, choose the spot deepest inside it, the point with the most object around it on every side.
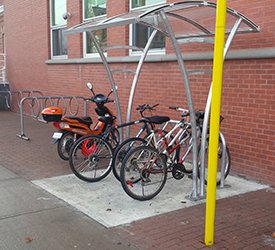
(91, 158)
(64, 145)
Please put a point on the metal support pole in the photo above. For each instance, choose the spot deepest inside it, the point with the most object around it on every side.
(111, 79)
(194, 193)
(22, 134)
(134, 83)
(215, 122)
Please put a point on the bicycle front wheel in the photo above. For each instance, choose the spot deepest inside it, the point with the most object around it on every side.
(91, 158)
(121, 151)
(143, 173)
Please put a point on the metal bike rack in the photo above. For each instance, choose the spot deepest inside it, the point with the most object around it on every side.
(196, 25)
(39, 106)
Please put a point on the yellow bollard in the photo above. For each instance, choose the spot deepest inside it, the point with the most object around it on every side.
(215, 122)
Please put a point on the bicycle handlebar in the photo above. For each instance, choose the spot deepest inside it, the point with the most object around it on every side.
(143, 107)
(185, 112)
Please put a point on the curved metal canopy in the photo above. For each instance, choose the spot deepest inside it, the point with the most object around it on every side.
(188, 21)
(197, 18)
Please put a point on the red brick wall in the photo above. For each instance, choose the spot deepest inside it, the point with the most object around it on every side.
(248, 91)
(27, 43)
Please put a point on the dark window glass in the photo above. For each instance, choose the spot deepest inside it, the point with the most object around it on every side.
(141, 35)
(59, 42)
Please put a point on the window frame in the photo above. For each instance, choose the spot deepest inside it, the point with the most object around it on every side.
(53, 28)
(97, 18)
(153, 51)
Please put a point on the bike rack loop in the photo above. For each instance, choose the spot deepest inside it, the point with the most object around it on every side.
(223, 159)
(22, 134)
(30, 93)
(207, 115)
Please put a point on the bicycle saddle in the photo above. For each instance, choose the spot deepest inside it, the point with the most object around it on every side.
(84, 119)
(157, 119)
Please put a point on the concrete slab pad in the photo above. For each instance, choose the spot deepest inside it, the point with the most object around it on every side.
(60, 229)
(19, 196)
(106, 202)
(6, 174)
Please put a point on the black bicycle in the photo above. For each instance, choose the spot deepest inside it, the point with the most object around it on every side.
(148, 124)
(91, 156)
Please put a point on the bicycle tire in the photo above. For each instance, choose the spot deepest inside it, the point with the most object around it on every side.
(91, 158)
(113, 138)
(135, 174)
(121, 151)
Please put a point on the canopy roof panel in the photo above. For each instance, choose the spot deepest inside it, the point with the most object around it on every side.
(187, 18)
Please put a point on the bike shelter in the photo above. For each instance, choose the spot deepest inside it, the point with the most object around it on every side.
(181, 22)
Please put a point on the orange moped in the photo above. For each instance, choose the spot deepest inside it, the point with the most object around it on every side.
(70, 128)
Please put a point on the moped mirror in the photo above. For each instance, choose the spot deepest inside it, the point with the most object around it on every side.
(112, 91)
(90, 87)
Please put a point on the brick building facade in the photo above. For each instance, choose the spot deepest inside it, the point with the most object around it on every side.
(248, 103)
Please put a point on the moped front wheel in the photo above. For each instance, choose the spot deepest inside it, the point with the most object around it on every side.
(91, 158)
(64, 145)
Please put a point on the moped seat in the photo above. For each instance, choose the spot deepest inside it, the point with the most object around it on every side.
(156, 119)
(84, 119)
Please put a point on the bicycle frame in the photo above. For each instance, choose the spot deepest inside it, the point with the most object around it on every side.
(182, 135)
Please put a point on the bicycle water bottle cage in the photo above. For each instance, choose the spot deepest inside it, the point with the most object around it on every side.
(156, 119)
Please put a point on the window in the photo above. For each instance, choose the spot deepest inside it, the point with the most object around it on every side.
(139, 33)
(58, 26)
(94, 9)
(142, 3)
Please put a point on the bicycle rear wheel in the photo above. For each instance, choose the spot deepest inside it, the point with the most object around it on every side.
(121, 151)
(143, 173)
(91, 158)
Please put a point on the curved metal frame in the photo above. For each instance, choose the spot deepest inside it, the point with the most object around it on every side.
(164, 11)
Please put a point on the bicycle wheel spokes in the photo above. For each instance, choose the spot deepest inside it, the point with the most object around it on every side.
(91, 158)
(143, 173)
(121, 152)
